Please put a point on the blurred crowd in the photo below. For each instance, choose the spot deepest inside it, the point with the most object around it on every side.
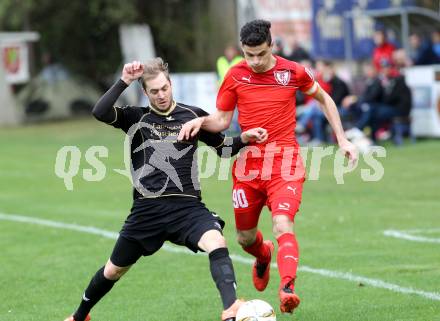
(381, 107)
(378, 108)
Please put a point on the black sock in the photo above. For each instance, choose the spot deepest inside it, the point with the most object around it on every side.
(98, 287)
(222, 272)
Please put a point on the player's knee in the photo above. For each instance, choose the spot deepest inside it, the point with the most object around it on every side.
(216, 243)
(211, 241)
(281, 224)
(221, 242)
(245, 239)
(242, 241)
(113, 272)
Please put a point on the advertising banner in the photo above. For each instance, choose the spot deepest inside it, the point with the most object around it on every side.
(15, 62)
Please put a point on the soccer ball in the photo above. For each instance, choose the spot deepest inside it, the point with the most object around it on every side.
(256, 310)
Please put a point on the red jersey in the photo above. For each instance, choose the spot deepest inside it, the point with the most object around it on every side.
(266, 99)
(384, 52)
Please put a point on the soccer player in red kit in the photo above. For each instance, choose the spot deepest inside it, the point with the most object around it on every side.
(270, 172)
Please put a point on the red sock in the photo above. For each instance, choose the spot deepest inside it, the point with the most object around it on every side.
(287, 257)
(259, 249)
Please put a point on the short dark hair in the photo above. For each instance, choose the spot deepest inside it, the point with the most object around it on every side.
(255, 33)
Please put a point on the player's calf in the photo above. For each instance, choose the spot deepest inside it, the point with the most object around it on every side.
(98, 287)
(223, 275)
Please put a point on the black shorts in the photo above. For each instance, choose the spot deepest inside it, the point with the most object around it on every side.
(180, 220)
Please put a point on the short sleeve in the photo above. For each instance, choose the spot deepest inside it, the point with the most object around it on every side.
(227, 96)
(305, 80)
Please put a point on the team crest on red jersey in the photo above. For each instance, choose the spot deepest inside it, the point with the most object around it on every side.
(282, 77)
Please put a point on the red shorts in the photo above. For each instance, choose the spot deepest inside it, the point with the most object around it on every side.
(257, 183)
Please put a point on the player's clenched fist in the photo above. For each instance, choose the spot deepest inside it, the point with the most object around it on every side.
(258, 135)
(132, 71)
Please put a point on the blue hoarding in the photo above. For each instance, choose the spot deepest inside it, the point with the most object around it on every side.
(328, 26)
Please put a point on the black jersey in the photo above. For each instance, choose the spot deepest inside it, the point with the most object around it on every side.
(161, 165)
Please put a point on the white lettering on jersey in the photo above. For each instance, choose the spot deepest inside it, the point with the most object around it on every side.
(239, 198)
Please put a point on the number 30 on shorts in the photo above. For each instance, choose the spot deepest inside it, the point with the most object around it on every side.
(239, 198)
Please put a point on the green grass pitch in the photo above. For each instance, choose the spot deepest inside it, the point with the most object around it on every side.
(44, 270)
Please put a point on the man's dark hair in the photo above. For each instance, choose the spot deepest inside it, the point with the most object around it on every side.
(255, 33)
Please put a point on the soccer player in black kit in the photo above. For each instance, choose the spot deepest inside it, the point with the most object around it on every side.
(167, 201)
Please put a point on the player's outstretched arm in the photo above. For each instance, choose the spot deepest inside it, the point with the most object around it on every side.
(331, 113)
(215, 123)
(230, 146)
(218, 121)
(103, 109)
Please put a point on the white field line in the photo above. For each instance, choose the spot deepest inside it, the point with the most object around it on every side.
(408, 235)
(425, 230)
(237, 258)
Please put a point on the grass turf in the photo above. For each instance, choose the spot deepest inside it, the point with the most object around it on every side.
(339, 228)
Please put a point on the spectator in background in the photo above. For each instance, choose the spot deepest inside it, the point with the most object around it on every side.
(396, 99)
(395, 102)
(357, 109)
(336, 88)
(383, 50)
(297, 53)
(231, 57)
(401, 59)
(421, 51)
(435, 38)
(278, 47)
(339, 89)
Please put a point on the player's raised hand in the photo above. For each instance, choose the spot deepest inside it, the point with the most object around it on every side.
(258, 135)
(350, 151)
(132, 71)
(190, 129)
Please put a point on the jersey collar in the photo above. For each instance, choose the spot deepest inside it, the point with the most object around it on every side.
(166, 113)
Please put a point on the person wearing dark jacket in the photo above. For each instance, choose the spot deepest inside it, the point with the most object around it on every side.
(297, 53)
(422, 51)
(358, 109)
(393, 103)
(339, 89)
